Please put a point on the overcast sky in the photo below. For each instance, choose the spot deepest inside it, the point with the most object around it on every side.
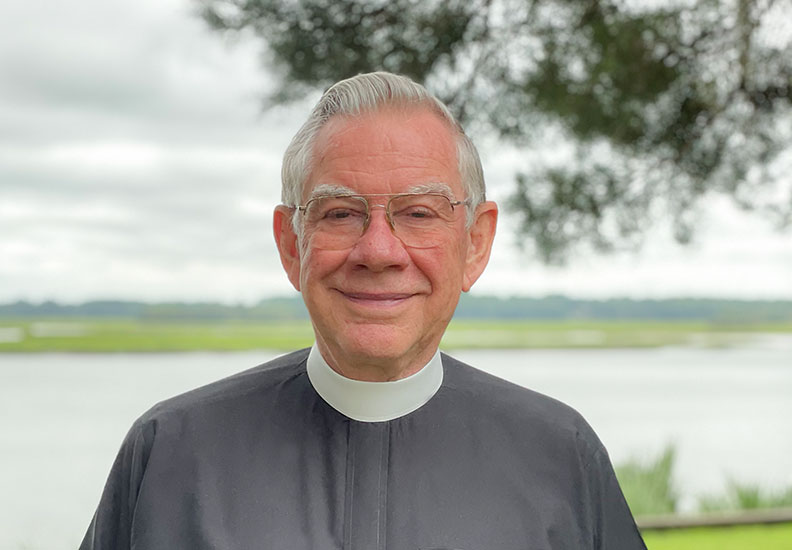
(136, 163)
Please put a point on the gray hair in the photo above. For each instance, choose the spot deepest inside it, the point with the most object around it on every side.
(365, 93)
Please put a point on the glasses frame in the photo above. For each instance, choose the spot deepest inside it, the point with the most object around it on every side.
(303, 208)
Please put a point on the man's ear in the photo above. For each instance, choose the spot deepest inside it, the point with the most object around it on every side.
(288, 245)
(480, 237)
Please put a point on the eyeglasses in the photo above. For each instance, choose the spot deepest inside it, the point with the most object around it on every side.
(419, 220)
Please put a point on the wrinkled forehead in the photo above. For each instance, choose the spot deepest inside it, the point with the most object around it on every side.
(390, 144)
(382, 130)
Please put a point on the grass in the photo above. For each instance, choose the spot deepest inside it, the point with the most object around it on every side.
(648, 487)
(600, 334)
(649, 490)
(747, 497)
(121, 335)
(759, 537)
(126, 335)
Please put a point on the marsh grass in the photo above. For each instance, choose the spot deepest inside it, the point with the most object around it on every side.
(124, 335)
(128, 335)
(649, 489)
(746, 497)
(648, 485)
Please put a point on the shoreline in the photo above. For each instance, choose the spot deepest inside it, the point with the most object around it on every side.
(136, 336)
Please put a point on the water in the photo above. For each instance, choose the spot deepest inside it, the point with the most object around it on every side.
(727, 412)
(62, 417)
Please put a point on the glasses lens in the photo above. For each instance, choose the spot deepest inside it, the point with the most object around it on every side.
(421, 221)
(335, 222)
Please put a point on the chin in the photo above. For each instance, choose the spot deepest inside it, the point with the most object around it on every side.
(377, 342)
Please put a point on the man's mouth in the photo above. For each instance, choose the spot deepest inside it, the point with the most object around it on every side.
(377, 298)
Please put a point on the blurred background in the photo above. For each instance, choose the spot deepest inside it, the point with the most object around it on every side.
(640, 152)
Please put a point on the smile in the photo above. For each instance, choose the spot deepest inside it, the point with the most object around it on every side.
(381, 299)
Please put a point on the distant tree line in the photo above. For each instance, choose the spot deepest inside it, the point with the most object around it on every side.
(470, 307)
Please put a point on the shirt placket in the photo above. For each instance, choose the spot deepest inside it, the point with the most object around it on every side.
(367, 486)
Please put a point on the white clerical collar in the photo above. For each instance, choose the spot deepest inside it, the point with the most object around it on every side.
(374, 401)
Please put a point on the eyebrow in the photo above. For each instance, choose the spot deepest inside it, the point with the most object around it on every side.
(434, 187)
(329, 190)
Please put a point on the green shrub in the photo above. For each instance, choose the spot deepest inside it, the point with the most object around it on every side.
(648, 486)
(746, 497)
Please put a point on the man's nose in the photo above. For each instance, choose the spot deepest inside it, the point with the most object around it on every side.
(378, 248)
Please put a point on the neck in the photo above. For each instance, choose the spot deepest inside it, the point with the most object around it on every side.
(369, 368)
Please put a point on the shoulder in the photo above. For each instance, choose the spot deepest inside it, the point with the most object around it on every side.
(506, 404)
(234, 391)
(491, 391)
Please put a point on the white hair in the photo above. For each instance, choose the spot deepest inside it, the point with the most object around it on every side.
(366, 93)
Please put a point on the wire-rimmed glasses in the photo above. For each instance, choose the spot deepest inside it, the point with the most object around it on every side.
(419, 220)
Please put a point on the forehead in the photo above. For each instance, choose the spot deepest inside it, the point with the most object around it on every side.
(385, 151)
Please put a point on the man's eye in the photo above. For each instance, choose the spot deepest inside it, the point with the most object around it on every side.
(343, 214)
(415, 213)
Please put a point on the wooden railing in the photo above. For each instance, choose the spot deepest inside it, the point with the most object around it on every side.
(720, 519)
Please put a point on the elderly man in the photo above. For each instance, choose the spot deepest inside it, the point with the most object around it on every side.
(370, 440)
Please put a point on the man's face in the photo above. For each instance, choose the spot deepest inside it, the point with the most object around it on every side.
(379, 305)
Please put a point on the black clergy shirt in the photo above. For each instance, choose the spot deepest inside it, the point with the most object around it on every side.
(261, 461)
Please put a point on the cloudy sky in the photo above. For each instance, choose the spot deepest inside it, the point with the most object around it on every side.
(136, 163)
